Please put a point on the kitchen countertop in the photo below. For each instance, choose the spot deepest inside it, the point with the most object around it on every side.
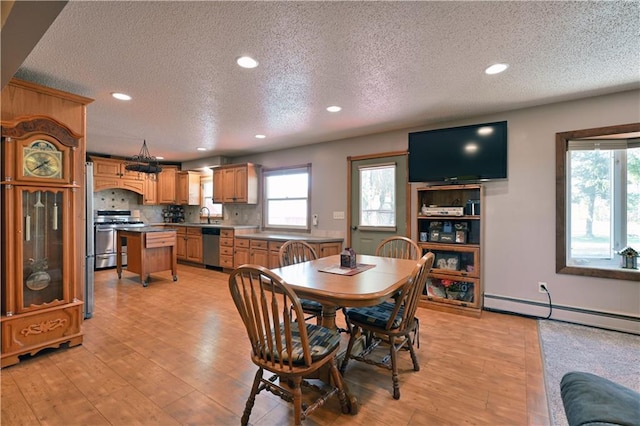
(286, 237)
(142, 229)
(209, 225)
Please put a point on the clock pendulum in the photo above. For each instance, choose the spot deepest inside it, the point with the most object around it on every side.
(39, 278)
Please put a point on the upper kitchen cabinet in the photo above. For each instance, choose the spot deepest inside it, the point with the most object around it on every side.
(188, 188)
(236, 183)
(167, 185)
(111, 173)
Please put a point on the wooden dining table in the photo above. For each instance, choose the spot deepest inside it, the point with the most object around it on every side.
(380, 278)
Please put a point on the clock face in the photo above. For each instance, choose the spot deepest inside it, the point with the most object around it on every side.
(41, 159)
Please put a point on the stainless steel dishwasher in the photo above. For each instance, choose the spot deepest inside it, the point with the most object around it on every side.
(211, 246)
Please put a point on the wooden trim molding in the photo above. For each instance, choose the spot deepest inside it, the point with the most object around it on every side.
(26, 126)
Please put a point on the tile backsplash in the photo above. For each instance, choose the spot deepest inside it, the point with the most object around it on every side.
(121, 199)
(234, 214)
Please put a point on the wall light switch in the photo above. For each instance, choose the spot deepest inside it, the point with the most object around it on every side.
(315, 219)
(338, 215)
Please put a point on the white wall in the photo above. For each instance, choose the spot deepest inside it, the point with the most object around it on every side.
(519, 214)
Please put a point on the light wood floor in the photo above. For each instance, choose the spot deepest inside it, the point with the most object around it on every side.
(175, 353)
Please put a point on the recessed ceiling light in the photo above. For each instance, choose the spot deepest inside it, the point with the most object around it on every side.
(121, 96)
(201, 148)
(496, 68)
(260, 136)
(246, 62)
(334, 108)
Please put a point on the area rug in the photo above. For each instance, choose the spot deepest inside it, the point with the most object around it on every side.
(571, 347)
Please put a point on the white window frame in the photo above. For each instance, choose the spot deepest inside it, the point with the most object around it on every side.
(627, 132)
(375, 227)
(206, 200)
(266, 174)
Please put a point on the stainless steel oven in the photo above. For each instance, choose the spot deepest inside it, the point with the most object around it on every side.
(107, 223)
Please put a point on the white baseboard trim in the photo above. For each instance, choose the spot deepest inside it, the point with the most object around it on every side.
(594, 318)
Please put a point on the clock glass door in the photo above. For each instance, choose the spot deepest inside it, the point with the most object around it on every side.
(43, 252)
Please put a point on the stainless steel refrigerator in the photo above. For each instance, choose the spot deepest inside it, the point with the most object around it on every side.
(90, 243)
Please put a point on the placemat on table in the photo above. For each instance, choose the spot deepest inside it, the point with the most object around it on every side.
(337, 269)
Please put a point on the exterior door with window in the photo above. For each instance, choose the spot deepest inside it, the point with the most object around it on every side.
(379, 200)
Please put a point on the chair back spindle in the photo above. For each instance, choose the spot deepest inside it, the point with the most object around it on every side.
(265, 303)
(293, 252)
(399, 247)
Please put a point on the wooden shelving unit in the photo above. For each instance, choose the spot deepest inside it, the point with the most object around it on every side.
(455, 284)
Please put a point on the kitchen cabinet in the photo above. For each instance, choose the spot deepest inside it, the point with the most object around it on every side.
(188, 188)
(327, 249)
(167, 185)
(274, 253)
(455, 238)
(111, 173)
(241, 253)
(259, 252)
(236, 183)
(150, 195)
(42, 233)
(265, 251)
(226, 248)
(189, 244)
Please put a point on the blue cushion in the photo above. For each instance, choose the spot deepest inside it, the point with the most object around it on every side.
(311, 306)
(590, 399)
(377, 316)
(322, 341)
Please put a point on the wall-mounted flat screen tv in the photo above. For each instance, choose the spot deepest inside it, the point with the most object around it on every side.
(464, 154)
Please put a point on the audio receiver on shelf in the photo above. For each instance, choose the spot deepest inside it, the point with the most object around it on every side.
(443, 211)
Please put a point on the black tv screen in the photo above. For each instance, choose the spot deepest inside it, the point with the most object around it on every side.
(473, 153)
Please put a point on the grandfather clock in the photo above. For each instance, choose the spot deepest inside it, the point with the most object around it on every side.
(42, 193)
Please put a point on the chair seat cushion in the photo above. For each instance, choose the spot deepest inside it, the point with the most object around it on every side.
(322, 341)
(311, 306)
(377, 316)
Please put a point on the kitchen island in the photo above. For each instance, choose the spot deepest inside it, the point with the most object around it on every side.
(149, 249)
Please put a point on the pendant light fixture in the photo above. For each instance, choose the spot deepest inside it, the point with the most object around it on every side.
(143, 162)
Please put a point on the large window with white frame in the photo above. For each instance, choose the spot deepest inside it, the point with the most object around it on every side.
(287, 198)
(377, 196)
(600, 203)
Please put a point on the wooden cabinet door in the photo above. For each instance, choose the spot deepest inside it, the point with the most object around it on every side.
(150, 195)
(182, 188)
(229, 185)
(106, 167)
(167, 185)
(240, 184)
(181, 244)
(329, 249)
(241, 256)
(188, 188)
(260, 257)
(194, 245)
(218, 185)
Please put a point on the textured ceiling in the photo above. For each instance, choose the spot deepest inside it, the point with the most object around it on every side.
(389, 65)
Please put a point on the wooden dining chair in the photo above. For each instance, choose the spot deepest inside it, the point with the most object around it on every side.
(293, 252)
(391, 322)
(283, 344)
(399, 247)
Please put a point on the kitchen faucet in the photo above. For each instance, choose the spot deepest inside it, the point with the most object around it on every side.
(208, 213)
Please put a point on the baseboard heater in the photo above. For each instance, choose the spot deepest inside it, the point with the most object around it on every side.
(603, 319)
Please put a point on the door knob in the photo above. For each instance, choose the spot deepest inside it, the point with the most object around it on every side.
(354, 228)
